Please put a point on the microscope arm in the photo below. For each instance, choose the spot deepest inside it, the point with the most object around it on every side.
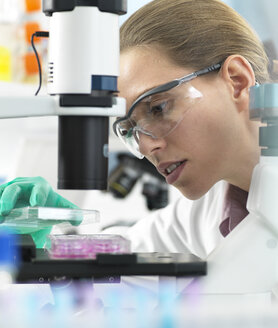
(12, 107)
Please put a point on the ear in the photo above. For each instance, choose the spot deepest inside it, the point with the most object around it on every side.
(239, 76)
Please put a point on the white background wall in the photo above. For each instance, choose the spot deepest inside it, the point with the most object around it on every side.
(261, 14)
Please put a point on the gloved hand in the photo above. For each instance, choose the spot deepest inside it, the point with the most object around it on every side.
(34, 191)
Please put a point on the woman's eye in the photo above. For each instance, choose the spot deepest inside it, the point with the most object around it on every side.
(127, 133)
(159, 108)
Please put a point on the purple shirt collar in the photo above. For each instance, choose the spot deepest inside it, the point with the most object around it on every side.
(234, 209)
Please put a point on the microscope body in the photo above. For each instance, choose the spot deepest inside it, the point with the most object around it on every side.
(83, 50)
(83, 67)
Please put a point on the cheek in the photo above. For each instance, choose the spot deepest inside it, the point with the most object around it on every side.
(207, 136)
(211, 126)
(201, 131)
(203, 144)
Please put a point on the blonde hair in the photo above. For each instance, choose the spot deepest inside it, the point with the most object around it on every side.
(195, 33)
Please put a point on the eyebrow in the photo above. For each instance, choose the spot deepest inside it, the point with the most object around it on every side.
(144, 91)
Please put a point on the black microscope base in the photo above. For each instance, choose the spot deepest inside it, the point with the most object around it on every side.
(37, 267)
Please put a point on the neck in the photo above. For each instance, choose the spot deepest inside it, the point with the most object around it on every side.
(243, 180)
(247, 158)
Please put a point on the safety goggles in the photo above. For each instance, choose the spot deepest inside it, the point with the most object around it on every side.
(157, 112)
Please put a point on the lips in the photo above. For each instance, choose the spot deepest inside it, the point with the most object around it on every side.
(171, 170)
(172, 167)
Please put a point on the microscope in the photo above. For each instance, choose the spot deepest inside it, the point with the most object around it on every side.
(128, 171)
(83, 66)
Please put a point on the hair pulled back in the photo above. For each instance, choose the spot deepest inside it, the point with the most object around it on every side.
(195, 33)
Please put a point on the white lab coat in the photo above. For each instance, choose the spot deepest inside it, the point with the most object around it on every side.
(182, 226)
(187, 226)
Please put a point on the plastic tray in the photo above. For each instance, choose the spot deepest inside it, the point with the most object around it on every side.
(86, 246)
(42, 217)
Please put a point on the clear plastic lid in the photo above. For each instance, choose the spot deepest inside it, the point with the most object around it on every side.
(86, 246)
(42, 217)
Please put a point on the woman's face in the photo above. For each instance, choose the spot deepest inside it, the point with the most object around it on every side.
(208, 139)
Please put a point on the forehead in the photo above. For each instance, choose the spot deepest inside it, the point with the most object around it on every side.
(142, 69)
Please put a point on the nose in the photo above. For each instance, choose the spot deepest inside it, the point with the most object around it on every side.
(149, 145)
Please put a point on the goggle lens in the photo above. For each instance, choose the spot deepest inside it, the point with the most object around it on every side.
(156, 116)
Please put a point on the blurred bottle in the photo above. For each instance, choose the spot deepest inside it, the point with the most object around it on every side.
(31, 22)
(19, 19)
(7, 50)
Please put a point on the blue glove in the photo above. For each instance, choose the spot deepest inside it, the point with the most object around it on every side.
(34, 191)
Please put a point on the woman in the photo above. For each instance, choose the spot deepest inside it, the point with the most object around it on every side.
(194, 128)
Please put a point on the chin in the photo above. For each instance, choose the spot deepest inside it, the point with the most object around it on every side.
(193, 192)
